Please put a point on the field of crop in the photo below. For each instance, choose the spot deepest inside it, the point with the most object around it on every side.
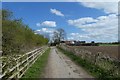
(111, 51)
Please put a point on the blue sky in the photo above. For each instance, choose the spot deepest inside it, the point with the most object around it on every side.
(81, 21)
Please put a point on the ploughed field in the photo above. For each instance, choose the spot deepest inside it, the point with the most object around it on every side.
(111, 51)
(103, 59)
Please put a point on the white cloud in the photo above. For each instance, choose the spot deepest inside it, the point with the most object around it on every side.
(82, 21)
(47, 23)
(57, 12)
(100, 28)
(107, 7)
(78, 36)
(38, 30)
(44, 30)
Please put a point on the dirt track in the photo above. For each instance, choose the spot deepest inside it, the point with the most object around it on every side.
(60, 66)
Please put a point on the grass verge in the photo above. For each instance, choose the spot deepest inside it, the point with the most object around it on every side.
(93, 69)
(37, 68)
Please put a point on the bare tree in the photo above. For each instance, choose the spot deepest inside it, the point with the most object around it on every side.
(59, 35)
(62, 34)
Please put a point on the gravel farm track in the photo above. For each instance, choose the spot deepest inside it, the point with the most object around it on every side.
(60, 66)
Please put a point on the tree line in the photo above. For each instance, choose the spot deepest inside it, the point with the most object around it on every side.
(17, 37)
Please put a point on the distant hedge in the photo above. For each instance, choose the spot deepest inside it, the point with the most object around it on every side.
(18, 37)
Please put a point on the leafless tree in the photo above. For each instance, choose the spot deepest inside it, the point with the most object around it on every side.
(59, 35)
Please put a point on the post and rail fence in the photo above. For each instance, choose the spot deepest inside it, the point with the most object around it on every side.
(22, 63)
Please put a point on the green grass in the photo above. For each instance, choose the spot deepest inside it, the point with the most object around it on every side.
(35, 71)
(93, 69)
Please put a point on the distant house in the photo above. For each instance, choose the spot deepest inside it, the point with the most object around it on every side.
(80, 43)
(74, 43)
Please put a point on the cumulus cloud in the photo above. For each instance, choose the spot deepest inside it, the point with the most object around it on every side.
(103, 27)
(107, 7)
(56, 12)
(47, 23)
(44, 30)
(78, 36)
(80, 22)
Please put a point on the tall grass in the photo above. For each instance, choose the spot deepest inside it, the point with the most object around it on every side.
(93, 69)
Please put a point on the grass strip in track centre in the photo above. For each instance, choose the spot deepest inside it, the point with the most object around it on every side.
(93, 69)
(37, 68)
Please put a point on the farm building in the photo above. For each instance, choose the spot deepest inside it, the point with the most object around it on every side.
(80, 43)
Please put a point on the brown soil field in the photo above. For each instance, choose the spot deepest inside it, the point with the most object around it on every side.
(112, 51)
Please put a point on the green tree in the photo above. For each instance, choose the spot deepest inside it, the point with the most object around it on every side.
(18, 38)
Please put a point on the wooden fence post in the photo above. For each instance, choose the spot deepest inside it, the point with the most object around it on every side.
(27, 61)
(17, 61)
